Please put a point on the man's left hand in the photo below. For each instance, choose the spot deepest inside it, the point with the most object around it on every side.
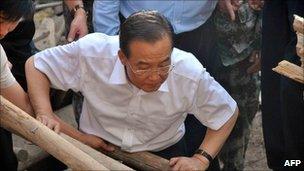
(188, 163)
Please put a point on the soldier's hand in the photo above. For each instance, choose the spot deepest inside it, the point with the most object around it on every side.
(256, 4)
(229, 7)
(255, 59)
(188, 163)
(96, 142)
(50, 122)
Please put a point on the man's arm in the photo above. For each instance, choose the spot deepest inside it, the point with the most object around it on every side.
(78, 26)
(16, 95)
(39, 89)
(105, 17)
(212, 144)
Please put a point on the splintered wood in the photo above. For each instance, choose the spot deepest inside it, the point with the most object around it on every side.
(290, 70)
(298, 26)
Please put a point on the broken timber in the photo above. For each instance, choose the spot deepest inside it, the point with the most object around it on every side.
(14, 119)
(290, 70)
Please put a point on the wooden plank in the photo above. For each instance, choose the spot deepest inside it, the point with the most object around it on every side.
(13, 118)
(290, 70)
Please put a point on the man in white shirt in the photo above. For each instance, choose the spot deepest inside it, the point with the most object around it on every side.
(137, 91)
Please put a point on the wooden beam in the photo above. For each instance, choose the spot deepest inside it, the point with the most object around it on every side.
(13, 118)
(140, 160)
(108, 162)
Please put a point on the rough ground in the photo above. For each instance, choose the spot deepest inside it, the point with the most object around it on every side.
(255, 158)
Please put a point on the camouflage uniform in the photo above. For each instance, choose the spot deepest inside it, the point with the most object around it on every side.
(235, 43)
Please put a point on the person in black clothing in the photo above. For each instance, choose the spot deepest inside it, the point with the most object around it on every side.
(19, 46)
(11, 12)
(282, 98)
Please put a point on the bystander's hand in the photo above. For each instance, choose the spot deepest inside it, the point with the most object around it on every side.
(256, 4)
(78, 27)
(229, 7)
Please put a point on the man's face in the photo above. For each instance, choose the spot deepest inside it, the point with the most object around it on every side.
(6, 27)
(148, 64)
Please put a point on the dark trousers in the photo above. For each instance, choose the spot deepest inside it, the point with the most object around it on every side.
(282, 98)
(8, 160)
(199, 42)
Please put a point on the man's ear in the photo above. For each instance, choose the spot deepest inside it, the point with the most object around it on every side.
(122, 57)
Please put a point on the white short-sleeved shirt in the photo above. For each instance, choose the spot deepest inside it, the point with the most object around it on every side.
(6, 77)
(124, 115)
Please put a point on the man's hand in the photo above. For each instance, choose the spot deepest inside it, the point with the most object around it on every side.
(189, 163)
(229, 7)
(256, 4)
(78, 26)
(96, 142)
(255, 59)
(49, 122)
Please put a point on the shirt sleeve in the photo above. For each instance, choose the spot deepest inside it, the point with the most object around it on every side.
(61, 65)
(105, 17)
(6, 77)
(213, 106)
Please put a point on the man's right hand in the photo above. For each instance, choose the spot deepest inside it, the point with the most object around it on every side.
(50, 122)
(96, 142)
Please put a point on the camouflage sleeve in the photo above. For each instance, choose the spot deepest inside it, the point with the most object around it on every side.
(258, 32)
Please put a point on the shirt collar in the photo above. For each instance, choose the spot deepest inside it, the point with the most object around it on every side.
(119, 76)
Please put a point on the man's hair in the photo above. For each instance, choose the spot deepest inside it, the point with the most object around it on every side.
(148, 26)
(14, 10)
